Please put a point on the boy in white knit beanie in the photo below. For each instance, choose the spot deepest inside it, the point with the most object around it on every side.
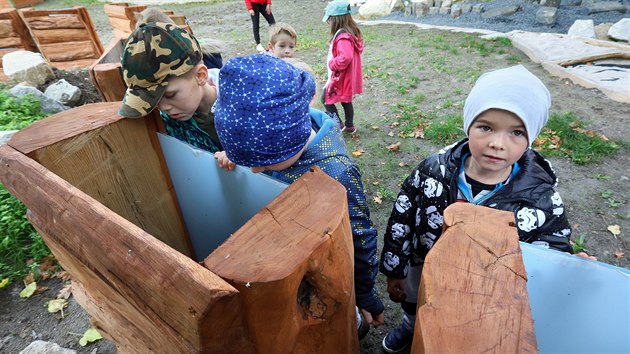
(494, 166)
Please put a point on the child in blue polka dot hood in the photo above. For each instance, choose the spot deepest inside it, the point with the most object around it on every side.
(264, 121)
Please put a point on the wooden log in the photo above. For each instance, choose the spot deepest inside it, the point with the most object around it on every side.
(19, 4)
(294, 270)
(106, 73)
(155, 297)
(473, 293)
(112, 159)
(61, 35)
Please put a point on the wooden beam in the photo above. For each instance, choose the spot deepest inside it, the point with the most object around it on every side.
(147, 292)
(473, 293)
(294, 270)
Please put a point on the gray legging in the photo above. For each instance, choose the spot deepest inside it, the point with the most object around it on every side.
(258, 10)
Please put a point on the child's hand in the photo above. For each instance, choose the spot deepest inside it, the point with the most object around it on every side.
(585, 255)
(251, 12)
(373, 320)
(223, 161)
(268, 9)
(396, 289)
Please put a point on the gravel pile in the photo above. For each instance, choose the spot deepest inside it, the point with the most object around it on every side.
(525, 19)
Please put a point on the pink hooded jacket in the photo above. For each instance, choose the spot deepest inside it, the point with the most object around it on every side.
(346, 78)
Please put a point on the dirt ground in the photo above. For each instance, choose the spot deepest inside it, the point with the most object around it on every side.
(402, 65)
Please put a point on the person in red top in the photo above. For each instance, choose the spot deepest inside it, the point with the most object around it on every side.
(255, 8)
(345, 71)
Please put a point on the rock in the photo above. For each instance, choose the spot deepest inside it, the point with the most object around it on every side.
(456, 10)
(48, 104)
(574, 2)
(546, 15)
(5, 135)
(447, 3)
(500, 11)
(41, 347)
(601, 31)
(444, 10)
(550, 3)
(421, 9)
(606, 6)
(582, 28)
(466, 7)
(375, 8)
(434, 10)
(477, 8)
(23, 65)
(620, 30)
(64, 92)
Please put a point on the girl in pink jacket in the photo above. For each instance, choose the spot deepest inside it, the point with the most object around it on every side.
(345, 71)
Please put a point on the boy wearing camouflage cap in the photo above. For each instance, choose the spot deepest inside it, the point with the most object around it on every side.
(162, 67)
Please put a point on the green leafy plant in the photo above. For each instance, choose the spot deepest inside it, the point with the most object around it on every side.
(609, 197)
(17, 113)
(578, 245)
(446, 130)
(19, 242)
(565, 136)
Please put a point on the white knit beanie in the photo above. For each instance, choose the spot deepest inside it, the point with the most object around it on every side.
(513, 89)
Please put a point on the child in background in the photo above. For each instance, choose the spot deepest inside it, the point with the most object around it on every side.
(345, 71)
(255, 8)
(495, 166)
(162, 68)
(211, 50)
(264, 122)
(282, 40)
(300, 64)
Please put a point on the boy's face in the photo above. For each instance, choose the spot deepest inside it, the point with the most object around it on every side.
(183, 95)
(497, 139)
(284, 46)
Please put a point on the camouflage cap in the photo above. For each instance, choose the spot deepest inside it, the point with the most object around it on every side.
(154, 53)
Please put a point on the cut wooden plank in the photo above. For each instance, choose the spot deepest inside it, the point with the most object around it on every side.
(106, 73)
(69, 51)
(10, 42)
(61, 35)
(65, 21)
(121, 24)
(18, 26)
(473, 293)
(72, 65)
(146, 286)
(6, 29)
(117, 164)
(289, 264)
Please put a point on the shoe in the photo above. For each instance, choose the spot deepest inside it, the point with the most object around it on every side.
(349, 130)
(260, 48)
(397, 339)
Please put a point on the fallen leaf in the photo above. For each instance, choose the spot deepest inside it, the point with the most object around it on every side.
(40, 289)
(57, 305)
(391, 133)
(46, 263)
(614, 229)
(374, 127)
(29, 278)
(65, 292)
(385, 103)
(402, 164)
(394, 147)
(358, 152)
(4, 282)
(63, 275)
(394, 124)
(375, 183)
(418, 132)
(619, 254)
(378, 200)
(28, 290)
(91, 335)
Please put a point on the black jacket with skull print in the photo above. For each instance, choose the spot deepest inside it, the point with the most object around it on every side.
(416, 219)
